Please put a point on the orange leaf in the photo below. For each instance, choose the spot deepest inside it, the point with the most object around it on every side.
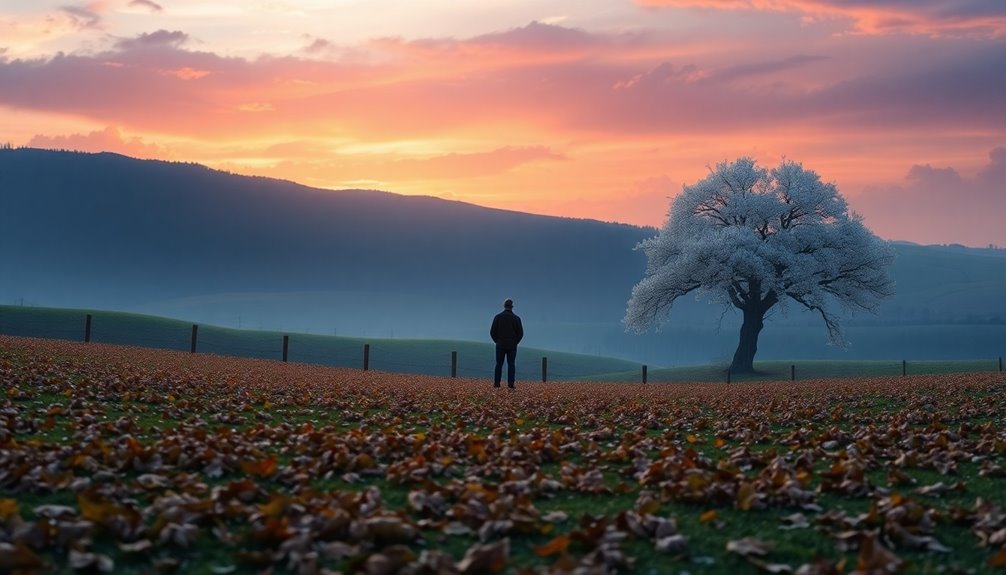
(999, 559)
(708, 516)
(9, 509)
(263, 468)
(692, 438)
(276, 506)
(557, 545)
(720, 442)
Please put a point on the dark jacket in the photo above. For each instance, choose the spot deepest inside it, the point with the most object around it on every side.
(507, 331)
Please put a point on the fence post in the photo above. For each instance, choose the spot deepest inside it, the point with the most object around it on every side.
(728, 375)
(454, 364)
(544, 369)
(366, 356)
(792, 372)
(87, 329)
(644, 373)
(1000, 363)
(286, 345)
(904, 368)
(195, 333)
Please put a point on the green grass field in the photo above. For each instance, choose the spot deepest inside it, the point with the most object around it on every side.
(428, 356)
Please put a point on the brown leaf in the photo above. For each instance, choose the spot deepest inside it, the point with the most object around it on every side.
(875, 558)
(18, 558)
(485, 558)
(998, 560)
(9, 509)
(553, 547)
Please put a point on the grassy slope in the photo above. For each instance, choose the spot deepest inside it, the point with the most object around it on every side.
(432, 357)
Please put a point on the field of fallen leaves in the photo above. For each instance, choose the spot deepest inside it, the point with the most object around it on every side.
(127, 460)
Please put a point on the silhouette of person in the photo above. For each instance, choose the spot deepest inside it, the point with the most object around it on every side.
(507, 331)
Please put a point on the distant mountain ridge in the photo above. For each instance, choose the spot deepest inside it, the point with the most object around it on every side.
(182, 240)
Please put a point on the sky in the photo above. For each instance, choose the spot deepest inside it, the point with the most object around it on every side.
(582, 108)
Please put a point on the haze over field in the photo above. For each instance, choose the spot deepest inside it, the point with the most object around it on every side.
(583, 108)
(109, 232)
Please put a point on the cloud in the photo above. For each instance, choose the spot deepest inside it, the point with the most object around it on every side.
(148, 4)
(980, 18)
(158, 39)
(933, 202)
(108, 140)
(84, 17)
(540, 77)
(318, 46)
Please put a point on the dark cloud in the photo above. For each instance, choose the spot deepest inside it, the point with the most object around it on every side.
(757, 69)
(159, 38)
(148, 4)
(975, 18)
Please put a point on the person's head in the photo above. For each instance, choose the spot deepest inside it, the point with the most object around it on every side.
(508, 304)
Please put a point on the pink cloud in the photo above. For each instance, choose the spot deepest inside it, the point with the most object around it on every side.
(542, 77)
(108, 140)
(932, 203)
(981, 18)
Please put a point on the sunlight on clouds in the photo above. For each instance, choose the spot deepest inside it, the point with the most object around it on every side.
(256, 107)
(186, 73)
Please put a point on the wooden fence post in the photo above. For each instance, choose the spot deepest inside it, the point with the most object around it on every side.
(792, 372)
(195, 334)
(366, 356)
(1000, 363)
(644, 373)
(454, 364)
(87, 329)
(904, 368)
(728, 375)
(544, 369)
(286, 345)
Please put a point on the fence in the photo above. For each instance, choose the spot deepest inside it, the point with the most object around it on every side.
(433, 357)
(354, 352)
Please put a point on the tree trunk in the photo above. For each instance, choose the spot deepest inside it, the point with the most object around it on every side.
(748, 345)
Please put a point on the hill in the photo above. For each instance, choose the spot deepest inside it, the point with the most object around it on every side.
(104, 231)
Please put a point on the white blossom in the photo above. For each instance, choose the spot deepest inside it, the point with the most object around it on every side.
(752, 238)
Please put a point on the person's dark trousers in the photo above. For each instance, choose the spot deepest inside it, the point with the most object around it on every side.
(510, 353)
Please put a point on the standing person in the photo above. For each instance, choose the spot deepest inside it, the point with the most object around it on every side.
(507, 331)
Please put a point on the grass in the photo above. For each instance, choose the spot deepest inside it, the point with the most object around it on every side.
(803, 370)
(421, 356)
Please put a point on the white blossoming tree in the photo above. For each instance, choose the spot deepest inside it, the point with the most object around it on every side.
(753, 238)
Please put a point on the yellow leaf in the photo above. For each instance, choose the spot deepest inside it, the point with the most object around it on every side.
(692, 438)
(708, 516)
(745, 496)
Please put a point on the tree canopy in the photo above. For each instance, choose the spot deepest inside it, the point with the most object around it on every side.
(754, 238)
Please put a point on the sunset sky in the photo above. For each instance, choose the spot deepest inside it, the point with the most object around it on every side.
(582, 108)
